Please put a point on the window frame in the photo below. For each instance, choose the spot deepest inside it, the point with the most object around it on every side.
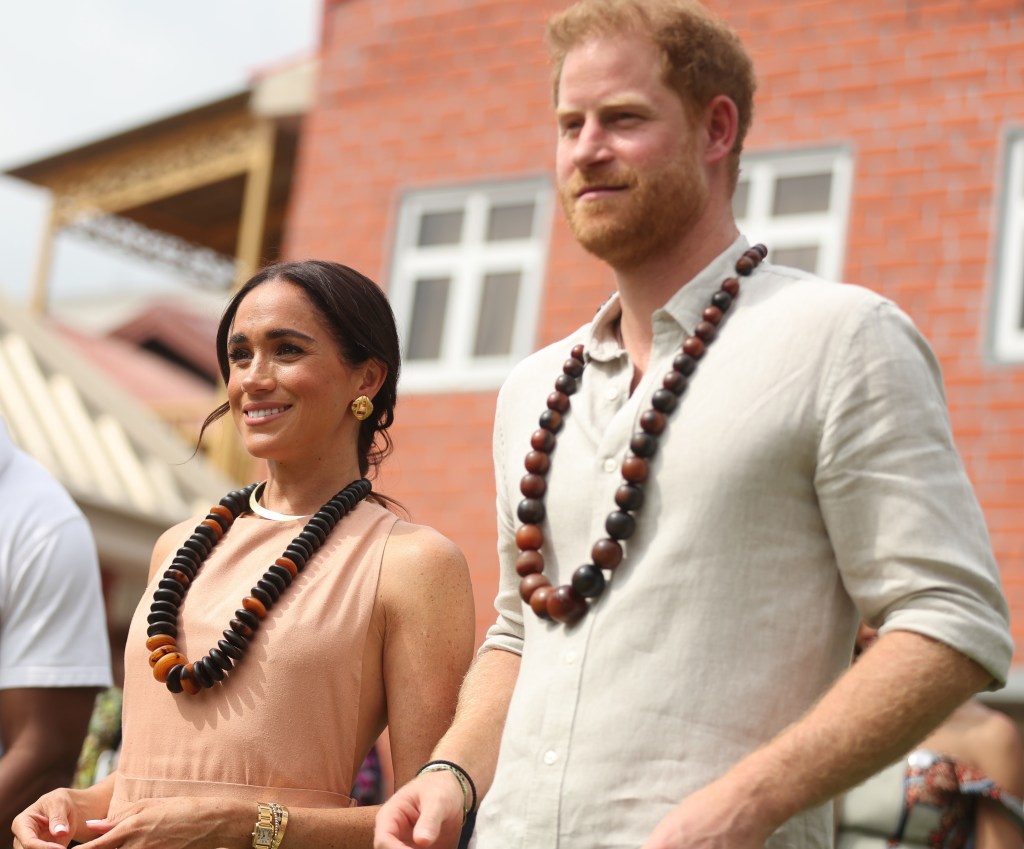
(827, 229)
(467, 263)
(1006, 313)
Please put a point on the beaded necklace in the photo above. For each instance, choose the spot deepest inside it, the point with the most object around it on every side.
(170, 666)
(568, 603)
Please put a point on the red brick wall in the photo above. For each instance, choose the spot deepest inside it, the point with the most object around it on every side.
(921, 92)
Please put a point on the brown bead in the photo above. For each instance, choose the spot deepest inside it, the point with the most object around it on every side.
(542, 440)
(731, 286)
(188, 680)
(675, 382)
(158, 653)
(565, 606)
(744, 265)
(154, 642)
(635, 469)
(529, 584)
(287, 563)
(255, 605)
(573, 367)
(214, 525)
(223, 512)
(551, 420)
(694, 347)
(652, 422)
(712, 314)
(704, 330)
(529, 563)
(538, 462)
(558, 401)
(606, 553)
(529, 537)
(533, 486)
(166, 663)
(539, 601)
(577, 352)
(179, 576)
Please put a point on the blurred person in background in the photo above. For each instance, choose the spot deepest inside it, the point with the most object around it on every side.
(54, 648)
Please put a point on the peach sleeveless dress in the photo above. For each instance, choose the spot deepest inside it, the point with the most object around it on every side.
(282, 725)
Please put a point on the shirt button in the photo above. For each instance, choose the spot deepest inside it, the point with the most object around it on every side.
(611, 393)
(570, 656)
(550, 757)
(610, 465)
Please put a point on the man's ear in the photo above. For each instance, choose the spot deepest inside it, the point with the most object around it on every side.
(721, 121)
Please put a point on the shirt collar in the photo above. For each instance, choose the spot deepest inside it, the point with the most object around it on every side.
(684, 307)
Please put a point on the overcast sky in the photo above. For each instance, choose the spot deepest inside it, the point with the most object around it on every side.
(72, 71)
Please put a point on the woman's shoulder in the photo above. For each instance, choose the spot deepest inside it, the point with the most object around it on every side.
(421, 549)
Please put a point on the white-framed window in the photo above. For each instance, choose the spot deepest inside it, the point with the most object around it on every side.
(466, 282)
(1007, 320)
(797, 203)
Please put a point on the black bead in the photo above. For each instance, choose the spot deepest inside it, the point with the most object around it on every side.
(190, 556)
(270, 587)
(248, 617)
(323, 523)
(185, 565)
(240, 628)
(194, 545)
(722, 300)
(588, 581)
(620, 525)
(566, 383)
(209, 533)
(347, 499)
(331, 513)
(629, 496)
(303, 545)
(314, 533)
(212, 668)
(684, 364)
(664, 401)
(168, 596)
(162, 616)
(202, 674)
(298, 556)
(551, 420)
(164, 607)
(675, 382)
(220, 520)
(262, 596)
(279, 572)
(643, 444)
(236, 639)
(230, 649)
(531, 511)
(169, 628)
(221, 659)
(172, 585)
(174, 678)
(311, 539)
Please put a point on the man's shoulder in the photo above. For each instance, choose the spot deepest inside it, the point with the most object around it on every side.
(29, 491)
(545, 363)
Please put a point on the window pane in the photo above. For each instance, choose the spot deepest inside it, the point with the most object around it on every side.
(740, 198)
(497, 314)
(805, 258)
(427, 326)
(806, 193)
(510, 222)
(440, 228)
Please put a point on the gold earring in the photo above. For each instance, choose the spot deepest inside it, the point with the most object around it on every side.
(362, 408)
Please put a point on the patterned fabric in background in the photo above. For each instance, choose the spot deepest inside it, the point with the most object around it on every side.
(369, 786)
(102, 741)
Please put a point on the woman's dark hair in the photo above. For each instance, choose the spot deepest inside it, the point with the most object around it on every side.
(362, 324)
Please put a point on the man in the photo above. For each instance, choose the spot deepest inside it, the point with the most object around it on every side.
(797, 476)
(54, 650)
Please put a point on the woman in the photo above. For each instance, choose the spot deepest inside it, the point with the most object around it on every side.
(959, 789)
(362, 622)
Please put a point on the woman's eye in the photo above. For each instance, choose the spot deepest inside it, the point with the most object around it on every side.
(237, 354)
(288, 349)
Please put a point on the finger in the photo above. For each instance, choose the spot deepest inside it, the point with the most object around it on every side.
(99, 826)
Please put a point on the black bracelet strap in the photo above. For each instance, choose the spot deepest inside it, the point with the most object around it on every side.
(460, 771)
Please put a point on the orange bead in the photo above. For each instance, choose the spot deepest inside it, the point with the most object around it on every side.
(153, 643)
(166, 663)
(214, 525)
(287, 563)
(255, 605)
(221, 510)
(160, 652)
(188, 681)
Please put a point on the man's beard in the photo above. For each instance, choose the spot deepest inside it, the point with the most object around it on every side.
(650, 215)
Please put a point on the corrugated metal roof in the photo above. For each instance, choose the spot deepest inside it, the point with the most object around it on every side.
(115, 457)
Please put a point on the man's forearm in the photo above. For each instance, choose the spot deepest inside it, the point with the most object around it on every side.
(885, 704)
(475, 733)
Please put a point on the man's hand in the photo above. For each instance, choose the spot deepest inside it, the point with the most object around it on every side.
(426, 813)
(708, 819)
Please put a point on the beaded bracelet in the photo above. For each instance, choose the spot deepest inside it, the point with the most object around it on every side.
(469, 797)
(280, 823)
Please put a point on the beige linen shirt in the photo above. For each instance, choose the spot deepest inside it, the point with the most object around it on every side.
(807, 480)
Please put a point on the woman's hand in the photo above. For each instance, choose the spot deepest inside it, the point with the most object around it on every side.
(56, 818)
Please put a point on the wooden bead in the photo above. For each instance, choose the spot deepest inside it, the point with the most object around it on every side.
(635, 469)
(565, 606)
(530, 583)
(712, 314)
(188, 681)
(675, 382)
(652, 422)
(538, 462)
(542, 440)
(531, 511)
(529, 562)
(606, 553)
(166, 663)
(529, 537)
(694, 347)
(745, 265)
(731, 287)
(215, 526)
(539, 601)
(158, 653)
(573, 366)
(705, 330)
(588, 581)
(533, 486)
(287, 563)
(558, 401)
(577, 352)
(550, 420)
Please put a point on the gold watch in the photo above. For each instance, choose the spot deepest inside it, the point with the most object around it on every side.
(263, 833)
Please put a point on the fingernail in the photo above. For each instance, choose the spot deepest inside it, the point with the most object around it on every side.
(58, 828)
(91, 823)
